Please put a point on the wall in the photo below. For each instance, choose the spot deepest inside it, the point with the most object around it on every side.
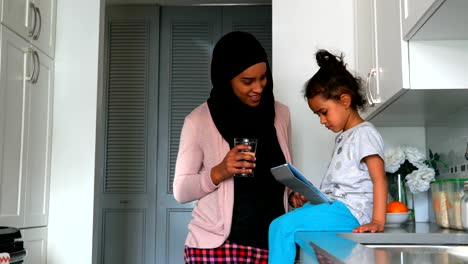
(74, 132)
(450, 140)
(300, 28)
(395, 136)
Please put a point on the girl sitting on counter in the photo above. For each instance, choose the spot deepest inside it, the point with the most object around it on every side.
(355, 180)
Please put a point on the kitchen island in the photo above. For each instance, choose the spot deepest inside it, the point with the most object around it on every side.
(409, 243)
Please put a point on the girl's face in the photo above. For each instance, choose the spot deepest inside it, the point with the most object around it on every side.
(249, 84)
(333, 114)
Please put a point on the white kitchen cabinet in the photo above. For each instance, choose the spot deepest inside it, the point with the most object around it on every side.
(26, 93)
(414, 13)
(34, 20)
(381, 55)
(38, 141)
(438, 20)
(35, 243)
(12, 95)
(406, 74)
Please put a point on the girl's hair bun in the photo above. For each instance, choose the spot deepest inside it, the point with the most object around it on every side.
(329, 61)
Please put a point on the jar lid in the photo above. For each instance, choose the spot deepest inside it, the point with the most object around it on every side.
(456, 180)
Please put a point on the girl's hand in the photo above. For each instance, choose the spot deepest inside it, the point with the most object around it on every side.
(234, 162)
(297, 200)
(372, 227)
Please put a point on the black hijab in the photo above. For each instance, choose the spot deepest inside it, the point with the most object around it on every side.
(234, 53)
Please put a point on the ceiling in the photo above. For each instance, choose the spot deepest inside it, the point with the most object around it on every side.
(187, 2)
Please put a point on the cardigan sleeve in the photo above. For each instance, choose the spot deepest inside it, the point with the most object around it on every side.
(192, 181)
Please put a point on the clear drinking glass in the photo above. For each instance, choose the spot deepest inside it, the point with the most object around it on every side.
(248, 142)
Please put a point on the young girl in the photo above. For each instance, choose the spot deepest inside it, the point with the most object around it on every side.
(355, 179)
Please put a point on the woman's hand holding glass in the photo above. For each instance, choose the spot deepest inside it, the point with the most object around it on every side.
(236, 161)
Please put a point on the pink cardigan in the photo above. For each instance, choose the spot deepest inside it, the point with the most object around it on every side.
(201, 148)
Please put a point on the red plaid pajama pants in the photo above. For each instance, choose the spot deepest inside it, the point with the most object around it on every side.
(228, 253)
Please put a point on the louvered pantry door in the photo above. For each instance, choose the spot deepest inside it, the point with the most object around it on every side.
(188, 35)
(128, 196)
(187, 38)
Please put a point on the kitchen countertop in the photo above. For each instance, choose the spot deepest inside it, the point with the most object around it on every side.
(409, 243)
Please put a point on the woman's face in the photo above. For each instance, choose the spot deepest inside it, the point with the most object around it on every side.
(249, 84)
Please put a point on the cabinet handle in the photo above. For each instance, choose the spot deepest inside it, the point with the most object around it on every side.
(38, 68)
(36, 36)
(369, 97)
(124, 201)
(31, 77)
(33, 30)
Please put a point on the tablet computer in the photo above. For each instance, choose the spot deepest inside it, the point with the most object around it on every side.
(289, 176)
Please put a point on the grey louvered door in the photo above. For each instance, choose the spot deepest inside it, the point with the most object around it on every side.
(127, 216)
(188, 35)
(187, 38)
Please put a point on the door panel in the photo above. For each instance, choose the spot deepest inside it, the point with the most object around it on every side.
(35, 243)
(128, 186)
(12, 120)
(188, 35)
(38, 137)
(124, 236)
(17, 15)
(141, 154)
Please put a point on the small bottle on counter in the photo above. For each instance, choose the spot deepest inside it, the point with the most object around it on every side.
(464, 206)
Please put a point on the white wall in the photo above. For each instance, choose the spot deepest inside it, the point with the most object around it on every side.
(74, 133)
(300, 27)
(396, 136)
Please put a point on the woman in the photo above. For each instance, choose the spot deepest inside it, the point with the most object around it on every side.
(232, 216)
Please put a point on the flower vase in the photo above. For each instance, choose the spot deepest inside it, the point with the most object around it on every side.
(397, 191)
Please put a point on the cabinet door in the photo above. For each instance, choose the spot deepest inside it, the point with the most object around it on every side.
(366, 51)
(33, 20)
(389, 49)
(17, 16)
(12, 118)
(414, 14)
(35, 243)
(38, 135)
(44, 37)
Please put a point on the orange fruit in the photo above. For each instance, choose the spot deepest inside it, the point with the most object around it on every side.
(396, 207)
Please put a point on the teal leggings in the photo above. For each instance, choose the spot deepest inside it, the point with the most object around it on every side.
(323, 217)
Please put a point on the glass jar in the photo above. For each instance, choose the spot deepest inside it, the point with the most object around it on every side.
(464, 206)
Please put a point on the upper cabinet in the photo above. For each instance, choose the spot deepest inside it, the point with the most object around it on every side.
(412, 82)
(34, 20)
(434, 19)
(438, 43)
(26, 97)
(381, 55)
(415, 13)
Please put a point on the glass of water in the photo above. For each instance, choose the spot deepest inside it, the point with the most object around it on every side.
(253, 147)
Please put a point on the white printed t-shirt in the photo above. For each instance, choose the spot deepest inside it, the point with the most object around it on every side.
(347, 178)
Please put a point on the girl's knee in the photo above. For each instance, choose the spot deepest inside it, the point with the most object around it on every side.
(281, 224)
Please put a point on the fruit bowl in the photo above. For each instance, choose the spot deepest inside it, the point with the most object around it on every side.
(396, 219)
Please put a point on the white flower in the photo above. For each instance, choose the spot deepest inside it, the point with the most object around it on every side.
(419, 180)
(415, 157)
(394, 157)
